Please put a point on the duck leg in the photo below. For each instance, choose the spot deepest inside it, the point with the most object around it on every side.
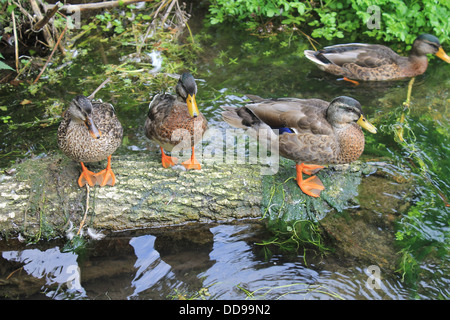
(311, 186)
(86, 176)
(106, 176)
(356, 83)
(166, 160)
(192, 163)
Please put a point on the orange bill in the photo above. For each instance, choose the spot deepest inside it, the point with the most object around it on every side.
(95, 133)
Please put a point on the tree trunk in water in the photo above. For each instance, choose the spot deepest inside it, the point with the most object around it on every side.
(42, 200)
(42, 197)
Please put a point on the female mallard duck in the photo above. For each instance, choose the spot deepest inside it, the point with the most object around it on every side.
(90, 132)
(373, 62)
(309, 130)
(170, 118)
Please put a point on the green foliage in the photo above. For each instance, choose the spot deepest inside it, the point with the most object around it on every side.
(399, 20)
(422, 230)
(4, 66)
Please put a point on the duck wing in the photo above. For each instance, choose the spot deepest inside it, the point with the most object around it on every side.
(301, 115)
(363, 55)
(106, 120)
(160, 107)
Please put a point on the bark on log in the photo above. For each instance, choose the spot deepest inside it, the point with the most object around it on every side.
(42, 196)
(42, 199)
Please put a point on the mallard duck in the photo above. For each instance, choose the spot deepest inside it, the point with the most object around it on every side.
(90, 132)
(310, 131)
(175, 121)
(373, 62)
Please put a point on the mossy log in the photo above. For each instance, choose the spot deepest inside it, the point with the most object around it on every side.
(40, 198)
(42, 195)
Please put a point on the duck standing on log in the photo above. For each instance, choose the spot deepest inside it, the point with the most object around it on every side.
(170, 116)
(90, 132)
(311, 132)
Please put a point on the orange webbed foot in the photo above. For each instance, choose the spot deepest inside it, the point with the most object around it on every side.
(86, 176)
(192, 163)
(311, 186)
(106, 176)
(167, 161)
(356, 83)
(310, 169)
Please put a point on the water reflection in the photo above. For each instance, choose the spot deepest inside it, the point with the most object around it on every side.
(150, 267)
(54, 267)
(173, 264)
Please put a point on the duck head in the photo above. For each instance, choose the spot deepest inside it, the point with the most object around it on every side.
(344, 110)
(80, 110)
(429, 44)
(187, 89)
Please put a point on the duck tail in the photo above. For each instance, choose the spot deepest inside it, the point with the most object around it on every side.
(244, 118)
(230, 115)
(317, 57)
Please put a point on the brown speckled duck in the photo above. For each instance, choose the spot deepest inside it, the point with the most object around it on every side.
(373, 62)
(90, 132)
(309, 131)
(168, 114)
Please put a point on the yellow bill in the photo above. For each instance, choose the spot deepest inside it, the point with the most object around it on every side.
(366, 124)
(441, 54)
(192, 106)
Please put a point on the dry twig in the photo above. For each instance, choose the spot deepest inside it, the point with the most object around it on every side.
(92, 6)
(51, 55)
(16, 42)
(85, 212)
(91, 96)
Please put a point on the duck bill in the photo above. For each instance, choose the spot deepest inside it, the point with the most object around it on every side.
(192, 106)
(366, 124)
(441, 54)
(95, 133)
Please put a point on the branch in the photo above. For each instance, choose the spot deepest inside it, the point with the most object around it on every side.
(92, 6)
(91, 96)
(48, 15)
(46, 30)
(51, 55)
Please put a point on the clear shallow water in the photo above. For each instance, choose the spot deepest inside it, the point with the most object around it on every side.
(224, 261)
(210, 262)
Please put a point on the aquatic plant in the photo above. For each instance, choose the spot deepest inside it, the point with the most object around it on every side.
(417, 139)
(295, 289)
(139, 54)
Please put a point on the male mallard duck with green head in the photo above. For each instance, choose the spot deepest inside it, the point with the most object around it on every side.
(310, 131)
(373, 62)
(175, 121)
(90, 132)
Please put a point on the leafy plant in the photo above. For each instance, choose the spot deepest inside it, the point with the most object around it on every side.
(399, 20)
(4, 66)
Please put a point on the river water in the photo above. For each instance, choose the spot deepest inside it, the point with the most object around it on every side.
(227, 261)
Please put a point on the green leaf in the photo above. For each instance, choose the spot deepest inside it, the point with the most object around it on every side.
(4, 66)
